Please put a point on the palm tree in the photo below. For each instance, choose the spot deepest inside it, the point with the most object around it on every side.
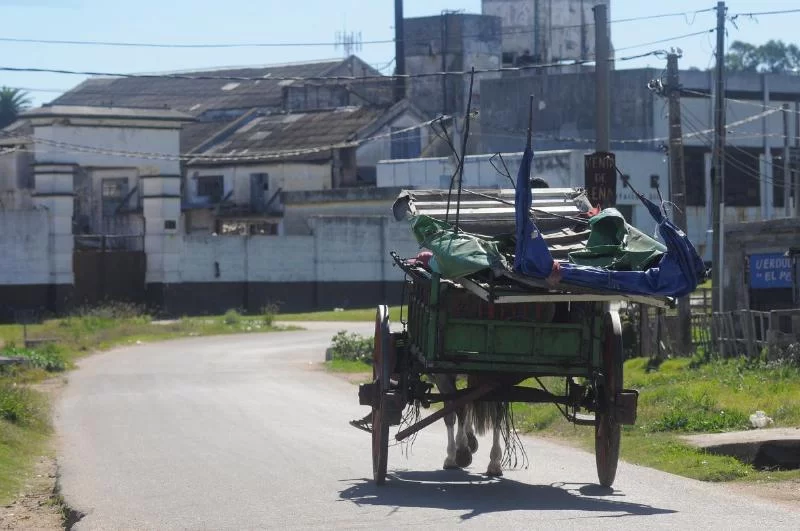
(12, 102)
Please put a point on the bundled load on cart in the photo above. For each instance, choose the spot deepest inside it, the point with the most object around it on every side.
(510, 286)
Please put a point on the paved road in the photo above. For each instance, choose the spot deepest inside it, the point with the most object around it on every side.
(246, 433)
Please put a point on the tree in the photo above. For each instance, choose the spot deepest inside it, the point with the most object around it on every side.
(774, 56)
(12, 102)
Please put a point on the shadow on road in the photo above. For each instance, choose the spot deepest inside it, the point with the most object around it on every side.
(477, 495)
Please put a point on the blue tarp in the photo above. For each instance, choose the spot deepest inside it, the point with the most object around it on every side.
(677, 273)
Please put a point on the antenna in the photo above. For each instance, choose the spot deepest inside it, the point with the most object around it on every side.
(349, 41)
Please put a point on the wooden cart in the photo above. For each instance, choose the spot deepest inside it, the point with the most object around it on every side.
(504, 323)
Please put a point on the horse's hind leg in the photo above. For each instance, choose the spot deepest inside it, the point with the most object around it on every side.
(450, 460)
(496, 454)
(463, 452)
(472, 441)
(445, 385)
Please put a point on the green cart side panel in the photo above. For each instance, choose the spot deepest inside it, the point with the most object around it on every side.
(442, 339)
(514, 341)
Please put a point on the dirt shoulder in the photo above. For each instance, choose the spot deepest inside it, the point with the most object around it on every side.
(38, 506)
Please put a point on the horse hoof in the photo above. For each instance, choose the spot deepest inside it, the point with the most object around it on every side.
(463, 457)
(450, 465)
(494, 472)
(472, 442)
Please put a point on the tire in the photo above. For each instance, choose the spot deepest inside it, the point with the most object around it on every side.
(382, 367)
(607, 432)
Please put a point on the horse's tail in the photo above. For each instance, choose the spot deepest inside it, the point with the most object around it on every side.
(488, 416)
(485, 416)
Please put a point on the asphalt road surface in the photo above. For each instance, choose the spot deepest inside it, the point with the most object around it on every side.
(247, 432)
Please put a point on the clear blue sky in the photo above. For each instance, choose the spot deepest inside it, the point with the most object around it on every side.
(206, 21)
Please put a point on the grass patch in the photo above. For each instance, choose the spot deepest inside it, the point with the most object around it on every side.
(365, 315)
(348, 366)
(681, 397)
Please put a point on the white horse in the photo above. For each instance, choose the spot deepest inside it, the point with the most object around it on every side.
(475, 418)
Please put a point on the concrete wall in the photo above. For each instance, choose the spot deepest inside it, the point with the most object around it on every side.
(564, 109)
(301, 207)
(344, 263)
(551, 29)
(452, 42)
(744, 239)
(290, 176)
(24, 247)
(128, 138)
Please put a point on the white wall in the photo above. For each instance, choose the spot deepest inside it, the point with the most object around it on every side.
(291, 176)
(126, 138)
(352, 248)
(25, 249)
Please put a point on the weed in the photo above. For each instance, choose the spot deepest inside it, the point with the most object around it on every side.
(48, 357)
(20, 405)
(352, 347)
(232, 318)
(269, 312)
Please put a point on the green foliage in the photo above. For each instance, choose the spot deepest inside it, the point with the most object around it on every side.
(48, 357)
(12, 102)
(352, 347)
(773, 56)
(269, 312)
(232, 318)
(20, 405)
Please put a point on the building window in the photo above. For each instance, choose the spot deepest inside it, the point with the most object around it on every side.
(406, 144)
(112, 192)
(210, 187)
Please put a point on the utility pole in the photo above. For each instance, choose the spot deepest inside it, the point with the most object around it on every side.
(718, 177)
(787, 176)
(601, 67)
(678, 182)
(399, 52)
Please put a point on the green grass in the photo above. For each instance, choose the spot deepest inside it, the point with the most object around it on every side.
(24, 429)
(680, 398)
(348, 366)
(366, 314)
(24, 413)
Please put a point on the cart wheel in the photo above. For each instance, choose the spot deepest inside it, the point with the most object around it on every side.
(606, 429)
(382, 366)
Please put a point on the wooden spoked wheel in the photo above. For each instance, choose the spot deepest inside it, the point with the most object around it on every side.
(607, 431)
(382, 361)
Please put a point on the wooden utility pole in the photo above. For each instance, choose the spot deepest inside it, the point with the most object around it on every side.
(718, 177)
(678, 183)
(399, 52)
(787, 175)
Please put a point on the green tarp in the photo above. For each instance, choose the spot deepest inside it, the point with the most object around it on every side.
(616, 245)
(613, 244)
(455, 255)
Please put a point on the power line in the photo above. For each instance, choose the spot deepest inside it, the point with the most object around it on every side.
(204, 77)
(268, 77)
(763, 13)
(667, 39)
(745, 102)
(128, 44)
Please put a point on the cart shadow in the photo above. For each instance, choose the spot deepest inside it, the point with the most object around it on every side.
(477, 495)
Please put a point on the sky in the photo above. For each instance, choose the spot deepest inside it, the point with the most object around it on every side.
(308, 21)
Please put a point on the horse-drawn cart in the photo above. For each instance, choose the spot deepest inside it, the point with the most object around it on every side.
(502, 329)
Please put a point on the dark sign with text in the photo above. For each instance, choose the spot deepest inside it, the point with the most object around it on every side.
(601, 179)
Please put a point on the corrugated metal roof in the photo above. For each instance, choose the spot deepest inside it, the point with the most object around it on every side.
(197, 96)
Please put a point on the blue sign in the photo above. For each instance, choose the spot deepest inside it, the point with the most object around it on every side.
(770, 270)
